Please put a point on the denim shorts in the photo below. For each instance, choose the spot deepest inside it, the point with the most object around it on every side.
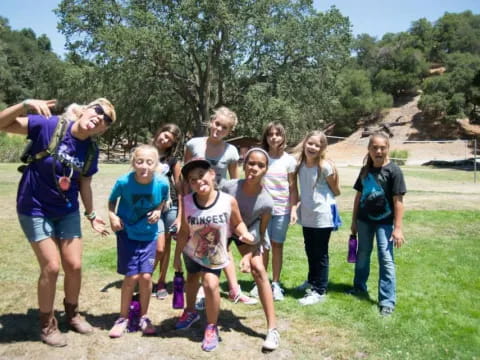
(194, 267)
(277, 228)
(133, 256)
(168, 217)
(38, 228)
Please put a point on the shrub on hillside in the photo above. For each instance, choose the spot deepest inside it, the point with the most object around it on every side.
(399, 157)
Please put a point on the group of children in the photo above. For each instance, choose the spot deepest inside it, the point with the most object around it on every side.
(207, 213)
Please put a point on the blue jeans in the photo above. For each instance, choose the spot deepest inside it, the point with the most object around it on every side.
(386, 282)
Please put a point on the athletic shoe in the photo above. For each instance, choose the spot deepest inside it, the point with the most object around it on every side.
(277, 292)
(187, 319)
(304, 286)
(272, 340)
(238, 296)
(118, 328)
(254, 291)
(386, 310)
(210, 338)
(312, 297)
(161, 292)
(146, 326)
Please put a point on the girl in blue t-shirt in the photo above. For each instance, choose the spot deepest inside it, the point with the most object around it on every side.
(140, 196)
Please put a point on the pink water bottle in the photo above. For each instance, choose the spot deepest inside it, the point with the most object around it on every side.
(352, 249)
(178, 284)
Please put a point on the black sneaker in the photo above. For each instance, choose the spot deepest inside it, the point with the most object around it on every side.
(386, 310)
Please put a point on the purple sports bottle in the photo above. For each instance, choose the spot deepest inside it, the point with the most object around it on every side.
(178, 284)
(134, 315)
(352, 249)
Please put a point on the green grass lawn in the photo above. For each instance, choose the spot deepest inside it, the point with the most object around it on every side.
(438, 285)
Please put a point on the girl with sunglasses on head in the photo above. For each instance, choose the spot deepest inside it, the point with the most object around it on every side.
(47, 198)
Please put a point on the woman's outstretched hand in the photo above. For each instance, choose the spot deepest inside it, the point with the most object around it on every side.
(41, 107)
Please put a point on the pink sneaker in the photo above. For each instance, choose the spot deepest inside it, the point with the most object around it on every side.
(118, 328)
(146, 326)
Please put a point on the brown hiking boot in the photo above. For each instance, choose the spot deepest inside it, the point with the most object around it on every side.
(49, 332)
(75, 320)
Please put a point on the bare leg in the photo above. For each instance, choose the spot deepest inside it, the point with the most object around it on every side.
(212, 297)
(128, 287)
(164, 261)
(191, 287)
(231, 273)
(71, 256)
(266, 258)
(47, 256)
(145, 287)
(160, 251)
(277, 261)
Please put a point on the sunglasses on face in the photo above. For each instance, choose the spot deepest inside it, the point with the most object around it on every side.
(99, 111)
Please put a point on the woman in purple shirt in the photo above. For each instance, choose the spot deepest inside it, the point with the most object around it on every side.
(47, 198)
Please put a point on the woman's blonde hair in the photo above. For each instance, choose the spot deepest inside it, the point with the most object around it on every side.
(299, 152)
(226, 113)
(147, 148)
(74, 111)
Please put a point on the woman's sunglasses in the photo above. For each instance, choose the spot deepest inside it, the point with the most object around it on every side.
(99, 110)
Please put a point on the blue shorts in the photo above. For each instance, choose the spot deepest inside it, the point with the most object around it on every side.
(38, 228)
(277, 228)
(168, 217)
(134, 257)
(194, 267)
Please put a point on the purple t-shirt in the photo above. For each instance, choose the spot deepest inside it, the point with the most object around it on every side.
(38, 194)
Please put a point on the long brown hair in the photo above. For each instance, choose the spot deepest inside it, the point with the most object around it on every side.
(277, 126)
(177, 134)
(299, 152)
(367, 160)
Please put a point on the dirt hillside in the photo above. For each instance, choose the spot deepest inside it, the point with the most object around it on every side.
(401, 122)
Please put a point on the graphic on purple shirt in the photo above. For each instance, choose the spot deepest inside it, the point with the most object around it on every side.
(38, 194)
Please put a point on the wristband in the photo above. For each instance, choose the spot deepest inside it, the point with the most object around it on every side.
(90, 216)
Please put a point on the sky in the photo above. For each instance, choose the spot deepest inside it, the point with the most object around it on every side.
(374, 17)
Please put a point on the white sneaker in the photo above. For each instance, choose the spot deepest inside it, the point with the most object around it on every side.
(304, 286)
(312, 297)
(200, 300)
(272, 340)
(277, 291)
(254, 291)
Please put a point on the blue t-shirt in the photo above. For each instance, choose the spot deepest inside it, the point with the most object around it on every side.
(136, 200)
(38, 194)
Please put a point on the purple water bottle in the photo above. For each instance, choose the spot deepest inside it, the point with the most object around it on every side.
(178, 284)
(352, 249)
(134, 315)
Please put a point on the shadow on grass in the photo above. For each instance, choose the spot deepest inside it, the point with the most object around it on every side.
(26, 327)
(227, 322)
